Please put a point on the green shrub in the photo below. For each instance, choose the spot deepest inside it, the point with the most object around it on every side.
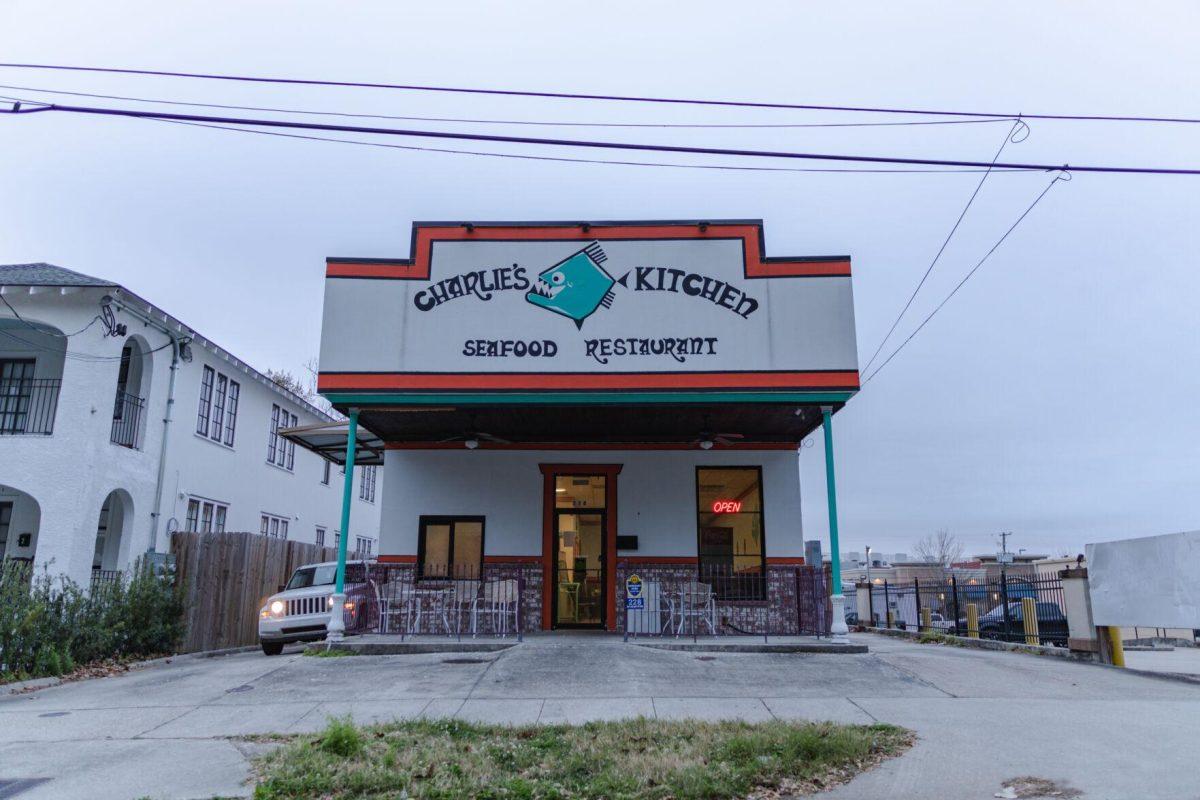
(341, 738)
(49, 624)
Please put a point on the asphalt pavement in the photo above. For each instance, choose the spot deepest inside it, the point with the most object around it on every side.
(983, 717)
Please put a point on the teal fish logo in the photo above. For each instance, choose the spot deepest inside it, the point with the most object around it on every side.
(576, 286)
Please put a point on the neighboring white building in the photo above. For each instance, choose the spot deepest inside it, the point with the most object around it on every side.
(92, 475)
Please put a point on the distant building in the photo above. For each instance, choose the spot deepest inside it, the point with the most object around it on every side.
(91, 475)
(1021, 563)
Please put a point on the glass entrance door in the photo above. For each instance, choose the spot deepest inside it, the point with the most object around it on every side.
(579, 533)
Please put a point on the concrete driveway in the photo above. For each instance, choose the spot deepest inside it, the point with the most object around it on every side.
(982, 717)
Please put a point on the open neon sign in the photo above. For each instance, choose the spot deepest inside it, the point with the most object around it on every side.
(726, 506)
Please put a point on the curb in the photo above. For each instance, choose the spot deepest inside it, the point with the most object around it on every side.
(757, 648)
(22, 687)
(1040, 650)
(417, 648)
(989, 644)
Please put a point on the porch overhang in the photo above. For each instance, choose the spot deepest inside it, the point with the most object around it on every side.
(329, 440)
(540, 421)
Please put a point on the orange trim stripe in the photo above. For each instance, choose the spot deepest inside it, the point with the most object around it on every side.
(418, 266)
(833, 379)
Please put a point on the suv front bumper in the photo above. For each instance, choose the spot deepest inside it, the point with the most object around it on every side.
(308, 628)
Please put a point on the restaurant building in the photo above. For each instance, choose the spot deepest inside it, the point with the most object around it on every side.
(575, 403)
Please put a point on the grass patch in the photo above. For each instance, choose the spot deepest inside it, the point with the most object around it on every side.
(933, 637)
(638, 759)
(321, 652)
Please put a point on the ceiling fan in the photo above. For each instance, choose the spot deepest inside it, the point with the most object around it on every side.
(707, 439)
(471, 437)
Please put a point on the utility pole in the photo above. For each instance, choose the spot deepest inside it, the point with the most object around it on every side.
(1004, 540)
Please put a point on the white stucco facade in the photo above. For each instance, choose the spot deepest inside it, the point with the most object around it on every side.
(656, 496)
(62, 456)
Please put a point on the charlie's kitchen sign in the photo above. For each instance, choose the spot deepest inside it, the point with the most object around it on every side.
(598, 306)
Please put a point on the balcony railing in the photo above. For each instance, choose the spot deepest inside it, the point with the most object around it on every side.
(127, 417)
(28, 406)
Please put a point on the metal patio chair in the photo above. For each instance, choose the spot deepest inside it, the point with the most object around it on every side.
(498, 601)
(463, 594)
(696, 603)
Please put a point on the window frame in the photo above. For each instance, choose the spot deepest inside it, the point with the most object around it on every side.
(273, 526)
(328, 470)
(425, 520)
(216, 416)
(208, 379)
(281, 452)
(319, 536)
(366, 483)
(231, 410)
(762, 527)
(204, 515)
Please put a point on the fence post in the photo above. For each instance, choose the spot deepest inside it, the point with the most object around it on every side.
(917, 600)
(887, 605)
(972, 621)
(520, 605)
(1030, 620)
(954, 596)
(870, 604)
(1004, 599)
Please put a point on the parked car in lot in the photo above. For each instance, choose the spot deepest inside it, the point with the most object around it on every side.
(300, 611)
(1052, 623)
(940, 623)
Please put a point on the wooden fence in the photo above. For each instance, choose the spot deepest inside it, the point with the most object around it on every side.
(228, 576)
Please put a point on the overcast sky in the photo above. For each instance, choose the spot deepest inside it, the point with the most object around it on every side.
(1055, 396)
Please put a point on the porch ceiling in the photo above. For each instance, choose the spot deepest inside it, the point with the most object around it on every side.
(592, 424)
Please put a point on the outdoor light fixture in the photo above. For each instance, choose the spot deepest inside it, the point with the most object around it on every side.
(706, 444)
(471, 443)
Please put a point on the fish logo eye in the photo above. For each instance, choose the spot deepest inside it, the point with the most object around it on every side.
(574, 287)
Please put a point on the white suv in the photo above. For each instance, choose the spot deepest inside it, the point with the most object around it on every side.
(300, 613)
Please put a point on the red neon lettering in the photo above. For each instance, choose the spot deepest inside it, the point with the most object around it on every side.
(726, 506)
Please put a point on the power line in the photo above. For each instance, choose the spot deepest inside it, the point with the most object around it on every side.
(1008, 138)
(606, 97)
(89, 358)
(604, 145)
(612, 162)
(550, 123)
(1063, 176)
(529, 157)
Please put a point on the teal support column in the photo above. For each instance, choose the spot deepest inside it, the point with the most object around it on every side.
(838, 628)
(831, 495)
(337, 623)
(347, 499)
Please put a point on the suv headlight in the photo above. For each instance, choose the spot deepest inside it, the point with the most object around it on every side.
(277, 608)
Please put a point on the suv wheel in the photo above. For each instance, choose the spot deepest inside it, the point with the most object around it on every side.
(272, 648)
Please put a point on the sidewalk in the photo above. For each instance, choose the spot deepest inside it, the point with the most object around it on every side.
(983, 717)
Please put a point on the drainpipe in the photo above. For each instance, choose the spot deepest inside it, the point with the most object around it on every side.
(176, 342)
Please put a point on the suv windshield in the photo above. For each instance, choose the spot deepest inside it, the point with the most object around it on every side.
(312, 576)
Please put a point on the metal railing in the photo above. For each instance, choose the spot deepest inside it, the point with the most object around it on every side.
(453, 600)
(1016, 606)
(28, 406)
(717, 600)
(127, 417)
(105, 577)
